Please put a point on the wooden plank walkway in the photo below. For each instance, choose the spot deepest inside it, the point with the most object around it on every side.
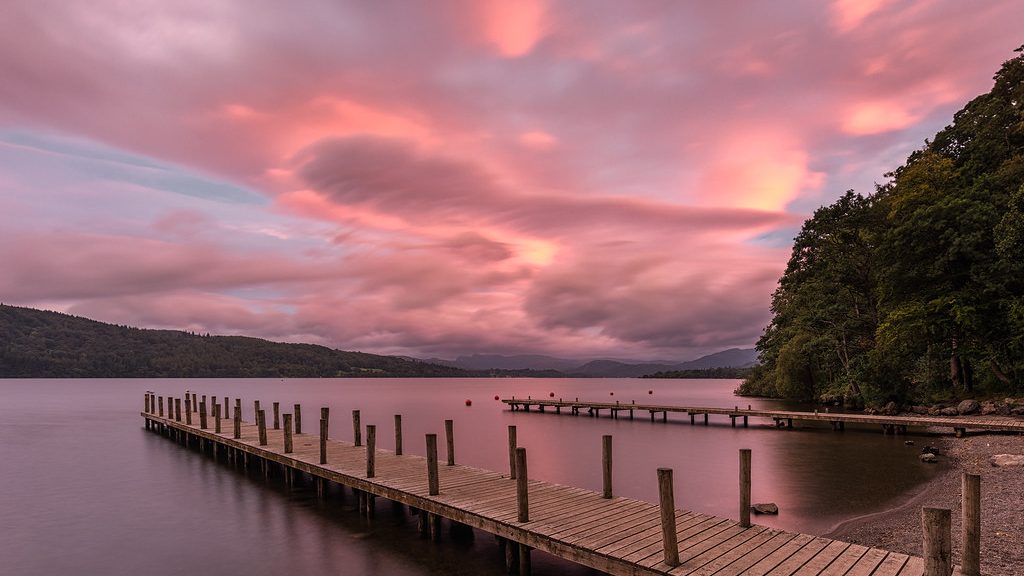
(614, 535)
(782, 418)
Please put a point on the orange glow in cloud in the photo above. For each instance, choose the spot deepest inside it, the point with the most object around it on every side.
(759, 171)
(514, 27)
(876, 118)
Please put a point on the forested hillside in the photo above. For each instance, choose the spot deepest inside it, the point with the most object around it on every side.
(38, 344)
(915, 292)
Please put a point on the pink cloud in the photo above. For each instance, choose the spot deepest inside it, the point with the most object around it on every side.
(461, 176)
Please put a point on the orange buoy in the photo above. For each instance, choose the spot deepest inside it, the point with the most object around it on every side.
(469, 402)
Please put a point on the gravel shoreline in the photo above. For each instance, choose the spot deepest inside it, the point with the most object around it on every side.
(1002, 505)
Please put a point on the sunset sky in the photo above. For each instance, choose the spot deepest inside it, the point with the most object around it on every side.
(582, 179)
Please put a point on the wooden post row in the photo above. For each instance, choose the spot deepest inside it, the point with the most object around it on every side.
(667, 502)
(522, 488)
(935, 523)
(512, 452)
(449, 432)
(357, 432)
(297, 418)
(238, 420)
(398, 434)
(371, 450)
(202, 414)
(606, 464)
(277, 415)
(288, 434)
(971, 506)
(433, 485)
(177, 409)
(261, 424)
(745, 487)
(216, 417)
(325, 414)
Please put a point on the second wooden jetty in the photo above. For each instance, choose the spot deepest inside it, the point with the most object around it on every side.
(781, 418)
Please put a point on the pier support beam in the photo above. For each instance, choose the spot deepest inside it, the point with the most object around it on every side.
(971, 508)
(745, 487)
(449, 432)
(398, 434)
(937, 541)
(357, 431)
(522, 486)
(667, 503)
(606, 464)
(512, 452)
(433, 485)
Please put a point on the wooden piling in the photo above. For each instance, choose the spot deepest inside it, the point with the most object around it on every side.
(432, 479)
(524, 560)
(194, 403)
(667, 502)
(971, 507)
(522, 488)
(512, 452)
(935, 523)
(745, 487)
(261, 424)
(277, 415)
(256, 410)
(216, 418)
(238, 421)
(606, 464)
(160, 404)
(449, 432)
(398, 434)
(297, 418)
(288, 446)
(323, 441)
(177, 409)
(357, 432)
(202, 415)
(371, 450)
(146, 408)
(226, 409)
(188, 410)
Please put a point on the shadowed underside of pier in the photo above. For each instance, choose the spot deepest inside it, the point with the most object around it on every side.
(616, 535)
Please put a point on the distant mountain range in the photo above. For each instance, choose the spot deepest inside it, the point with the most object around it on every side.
(42, 344)
(601, 368)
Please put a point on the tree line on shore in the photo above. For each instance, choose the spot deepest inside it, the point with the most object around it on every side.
(914, 292)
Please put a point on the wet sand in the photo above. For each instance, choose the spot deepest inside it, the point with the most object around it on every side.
(1002, 504)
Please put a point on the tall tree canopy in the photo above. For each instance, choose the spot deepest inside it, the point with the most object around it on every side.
(915, 291)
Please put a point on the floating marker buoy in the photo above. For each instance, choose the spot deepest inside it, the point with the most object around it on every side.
(469, 402)
(611, 393)
(650, 391)
(552, 394)
(496, 397)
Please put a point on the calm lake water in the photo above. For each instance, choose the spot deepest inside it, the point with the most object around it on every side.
(85, 489)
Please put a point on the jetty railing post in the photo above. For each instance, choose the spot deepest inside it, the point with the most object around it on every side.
(160, 404)
(256, 411)
(226, 409)
(512, 452)
(297, 418)
(398, 434)
(971, 506)
(357, 433)
(288, 434)
(432, 480)
(261, 423)
(194, 402)
(146, 409)
(188, 410)
(277, 415)
(449, 432)
(666, 498)
(324, 418)
(745, 487)
(238, 420)
(522, 488)
(371, 450)
(606, 464)
(177, 409)
(202, 415)
(216, 417)
(937, 541)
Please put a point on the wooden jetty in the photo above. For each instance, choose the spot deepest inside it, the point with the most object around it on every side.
(781, 418)
(612, 534)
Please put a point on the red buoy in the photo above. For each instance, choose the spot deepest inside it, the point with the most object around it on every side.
(496, 397)
(650, 391)
(469, 402)
(611, 393)
(552, 394)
